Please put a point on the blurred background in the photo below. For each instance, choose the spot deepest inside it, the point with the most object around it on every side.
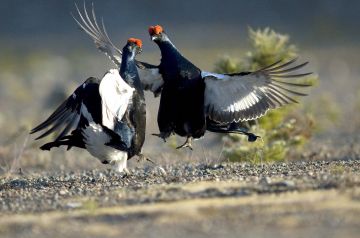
(44, 57)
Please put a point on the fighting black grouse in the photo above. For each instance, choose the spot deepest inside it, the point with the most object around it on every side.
(200, 101)
(106, 117)
(193, 101)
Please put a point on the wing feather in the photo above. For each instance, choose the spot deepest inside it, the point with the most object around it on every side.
(271, 68)
(150, 76)
(247, 96)
(61, 121)
(98, 34)
(290, 69)
(67, 115)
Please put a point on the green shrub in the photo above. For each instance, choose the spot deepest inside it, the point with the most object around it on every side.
(283, 131)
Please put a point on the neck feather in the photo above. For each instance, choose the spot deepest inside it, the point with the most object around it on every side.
(128, 70)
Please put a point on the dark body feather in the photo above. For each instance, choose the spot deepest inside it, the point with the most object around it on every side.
(182, 98)
(193, 101)
(87, 94)
(135, 116)
(128, 134)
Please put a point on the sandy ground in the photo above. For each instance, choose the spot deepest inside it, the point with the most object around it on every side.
(314, 199)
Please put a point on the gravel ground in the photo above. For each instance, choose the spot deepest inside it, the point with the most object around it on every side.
(71, 190)
(299, 199)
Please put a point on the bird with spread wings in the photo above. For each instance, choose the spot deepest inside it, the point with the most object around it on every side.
(192, 100)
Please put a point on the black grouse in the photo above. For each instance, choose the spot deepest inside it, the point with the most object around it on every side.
(106, 117)
(193, 101)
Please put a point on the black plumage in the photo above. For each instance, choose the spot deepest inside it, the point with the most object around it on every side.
(200, 101)
(193, 101)
(182, 97)
(107, 117)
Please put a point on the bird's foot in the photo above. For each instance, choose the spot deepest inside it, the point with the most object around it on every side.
(142, 158)
(188, 144)
(251, 137)
(126, 173)
(120, 167)
(161, 135)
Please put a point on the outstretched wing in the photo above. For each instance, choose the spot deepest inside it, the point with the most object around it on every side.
(116, 96)
(149, 74)
(67, 115)
(248, 95)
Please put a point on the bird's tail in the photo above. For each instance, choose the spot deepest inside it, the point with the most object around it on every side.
(71, 140)
(50, 145)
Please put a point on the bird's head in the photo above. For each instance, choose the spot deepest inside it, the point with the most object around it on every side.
(134, 46)
(157, 33)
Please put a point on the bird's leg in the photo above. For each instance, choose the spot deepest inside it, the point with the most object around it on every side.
(161, 135)
(120, 166)
(142, 157)
(186, 144)
(126, 173)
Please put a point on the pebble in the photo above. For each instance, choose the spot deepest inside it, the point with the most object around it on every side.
(73, 205)
(53, 191)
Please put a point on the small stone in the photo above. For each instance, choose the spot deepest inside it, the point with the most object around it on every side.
(162, 171)
(73, 205)
(265, 180)
(286, 183)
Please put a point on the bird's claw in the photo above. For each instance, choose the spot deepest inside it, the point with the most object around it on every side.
(160, 136)
(142, 157)
(125, 173)
(187, 144)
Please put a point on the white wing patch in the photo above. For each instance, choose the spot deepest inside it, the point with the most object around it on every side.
(84, 111)
(210, 74)
(227, 95)
(246, 102)
(247, 96)
(116, 95)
